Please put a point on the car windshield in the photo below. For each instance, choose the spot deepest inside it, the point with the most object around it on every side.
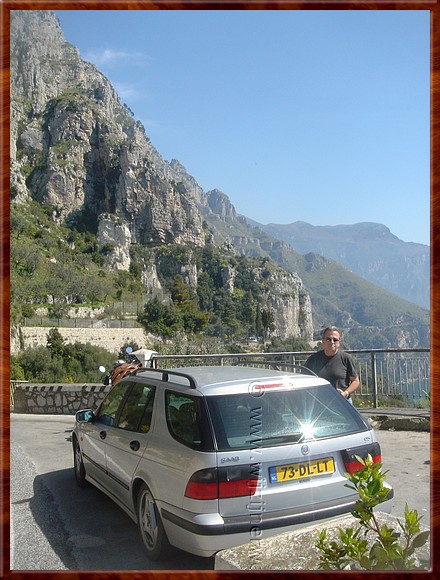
(281, 416)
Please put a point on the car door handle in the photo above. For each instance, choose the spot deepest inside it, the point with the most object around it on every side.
(103, 434)
(134, 445)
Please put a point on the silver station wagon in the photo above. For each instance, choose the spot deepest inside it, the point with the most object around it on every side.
(207, 458)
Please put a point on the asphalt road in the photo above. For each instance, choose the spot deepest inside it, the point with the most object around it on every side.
(57, 526)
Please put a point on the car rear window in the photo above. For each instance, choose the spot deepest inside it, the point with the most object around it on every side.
(278, 417)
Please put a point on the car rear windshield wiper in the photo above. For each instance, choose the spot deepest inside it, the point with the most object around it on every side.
(292, 437)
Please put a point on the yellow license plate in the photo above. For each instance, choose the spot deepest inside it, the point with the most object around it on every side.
(301, 470)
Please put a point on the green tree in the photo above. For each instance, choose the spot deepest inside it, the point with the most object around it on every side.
(38, 366)
(247, 313)
(123, 350)
(55, 343)
(82, 362)
(180, 292)
(267, 322)
(193, 319)
(122, 280)
(160, 318)
(19, 222)
(24, 258)
(205, 291)
(229, 315)
(258, 322)
(16, 371)
(291, 344)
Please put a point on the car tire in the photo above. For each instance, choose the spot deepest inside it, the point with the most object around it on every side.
(78, 465)
(150, 525)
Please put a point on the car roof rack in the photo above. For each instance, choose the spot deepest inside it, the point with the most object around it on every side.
(165, 375)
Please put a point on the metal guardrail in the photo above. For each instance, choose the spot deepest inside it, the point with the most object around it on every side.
(385, 374)
(400, 374)
(395, 373)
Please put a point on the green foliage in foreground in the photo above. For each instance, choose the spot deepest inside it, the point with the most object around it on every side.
(392, 549)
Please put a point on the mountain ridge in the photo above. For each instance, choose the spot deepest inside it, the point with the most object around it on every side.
(368, 249)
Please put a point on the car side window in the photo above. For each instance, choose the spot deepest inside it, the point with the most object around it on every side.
(182, 418)
(138, 408)
(110, 405)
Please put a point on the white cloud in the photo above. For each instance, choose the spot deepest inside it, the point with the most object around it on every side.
(125, 91)
(150, 123)
(110, 57)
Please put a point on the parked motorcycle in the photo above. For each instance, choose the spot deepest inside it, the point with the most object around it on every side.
(134, 360)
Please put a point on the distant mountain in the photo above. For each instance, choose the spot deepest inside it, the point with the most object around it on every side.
(78, 152)
(367, 249)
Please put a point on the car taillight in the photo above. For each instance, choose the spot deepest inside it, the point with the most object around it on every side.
(349, 456)
(222, 482)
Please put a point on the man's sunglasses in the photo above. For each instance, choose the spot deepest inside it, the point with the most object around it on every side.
(331, 339)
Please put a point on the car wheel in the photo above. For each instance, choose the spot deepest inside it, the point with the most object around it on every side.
(78, 465)
(150, 524)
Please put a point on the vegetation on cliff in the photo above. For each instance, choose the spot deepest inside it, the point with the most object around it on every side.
(58, 267)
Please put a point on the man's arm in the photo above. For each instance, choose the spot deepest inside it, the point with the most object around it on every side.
(352, 386)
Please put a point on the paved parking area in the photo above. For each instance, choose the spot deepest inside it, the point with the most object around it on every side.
(72, 529)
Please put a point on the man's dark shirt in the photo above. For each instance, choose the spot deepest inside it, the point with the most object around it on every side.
(335, 369)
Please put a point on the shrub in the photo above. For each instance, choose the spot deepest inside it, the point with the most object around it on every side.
(387, 552)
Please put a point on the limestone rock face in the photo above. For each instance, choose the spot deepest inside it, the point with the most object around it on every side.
(291, 306)
(88, 155)
(116, 234)
(228, 275)
(150, 278)
(220, 204)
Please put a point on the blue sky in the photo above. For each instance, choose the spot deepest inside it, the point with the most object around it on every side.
(319, 116)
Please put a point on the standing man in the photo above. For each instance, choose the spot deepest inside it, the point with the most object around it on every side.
(335, 366)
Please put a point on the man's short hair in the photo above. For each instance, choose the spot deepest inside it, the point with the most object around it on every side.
(331, 329)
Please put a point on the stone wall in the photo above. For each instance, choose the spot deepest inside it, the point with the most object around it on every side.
(112, 339)
(63, 399)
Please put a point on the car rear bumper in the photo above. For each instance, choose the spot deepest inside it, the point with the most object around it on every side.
(206, 534)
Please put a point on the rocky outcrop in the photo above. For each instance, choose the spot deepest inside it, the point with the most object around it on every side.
(291, 306)
(75, 146)
(228, 276)
(219, 203)
(149, 277)
(115, 239)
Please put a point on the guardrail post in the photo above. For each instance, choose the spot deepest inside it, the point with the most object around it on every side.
(374, 378)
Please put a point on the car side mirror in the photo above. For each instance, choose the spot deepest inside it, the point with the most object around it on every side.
(86, 416)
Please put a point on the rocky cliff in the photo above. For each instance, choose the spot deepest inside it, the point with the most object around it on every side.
(77, 149)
